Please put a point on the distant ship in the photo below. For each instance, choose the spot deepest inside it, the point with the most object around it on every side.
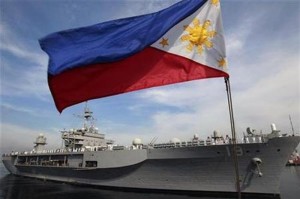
(195, 166)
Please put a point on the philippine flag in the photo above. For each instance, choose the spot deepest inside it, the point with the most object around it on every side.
(181, 43)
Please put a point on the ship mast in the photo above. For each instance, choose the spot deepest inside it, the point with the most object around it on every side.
(292, 125)
(234, 144)
(88, 116)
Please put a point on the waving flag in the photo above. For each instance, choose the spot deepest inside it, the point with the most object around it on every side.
(181, 43)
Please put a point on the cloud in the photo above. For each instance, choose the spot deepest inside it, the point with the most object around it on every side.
(18, 109)
(236, 37)
(140, 7)
(23, 110)
(274, 97)
(269, 100)
(17, 47)
(184, 95)
(24, 83)
(24, 71)
(18, 138)
(21, 52)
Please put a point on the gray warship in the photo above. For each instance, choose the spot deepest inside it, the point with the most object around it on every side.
(195, 166)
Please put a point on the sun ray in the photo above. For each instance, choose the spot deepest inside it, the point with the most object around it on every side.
(208, 44)
(190, 47)
(185, 38)
(212, 34)
(196, 22)
(200, 49)
(206, 24)
(187, 28)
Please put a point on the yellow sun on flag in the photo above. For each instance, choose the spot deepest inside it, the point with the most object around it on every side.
(198, 36)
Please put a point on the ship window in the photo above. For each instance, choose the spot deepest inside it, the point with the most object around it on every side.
(218, 152)
(257, 151)
(90, 163)
(247, 151)
(278, 150)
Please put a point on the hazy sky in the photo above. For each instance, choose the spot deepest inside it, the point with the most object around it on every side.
(263, 49)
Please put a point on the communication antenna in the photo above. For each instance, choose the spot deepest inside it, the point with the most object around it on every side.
(292, 125)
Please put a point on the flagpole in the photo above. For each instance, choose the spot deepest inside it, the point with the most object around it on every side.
(234, 144)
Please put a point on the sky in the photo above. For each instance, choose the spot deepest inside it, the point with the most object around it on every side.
(263, 52)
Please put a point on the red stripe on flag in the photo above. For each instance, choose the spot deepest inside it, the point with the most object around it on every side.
(148, 68)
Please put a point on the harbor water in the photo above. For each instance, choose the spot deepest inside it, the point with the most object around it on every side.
(15, 187)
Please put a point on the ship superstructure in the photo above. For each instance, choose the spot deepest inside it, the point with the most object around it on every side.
(87, 137)
(198, 165)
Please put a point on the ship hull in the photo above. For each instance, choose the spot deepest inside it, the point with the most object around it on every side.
(186, 169)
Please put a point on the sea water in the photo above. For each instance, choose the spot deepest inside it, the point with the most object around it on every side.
(15, 187)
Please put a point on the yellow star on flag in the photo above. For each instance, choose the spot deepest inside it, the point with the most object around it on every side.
(164, 42)
(215, 2)
(222, 62)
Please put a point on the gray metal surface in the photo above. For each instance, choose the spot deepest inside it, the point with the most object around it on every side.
(199, 168)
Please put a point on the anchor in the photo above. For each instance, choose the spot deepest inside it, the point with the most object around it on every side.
(257, 161)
